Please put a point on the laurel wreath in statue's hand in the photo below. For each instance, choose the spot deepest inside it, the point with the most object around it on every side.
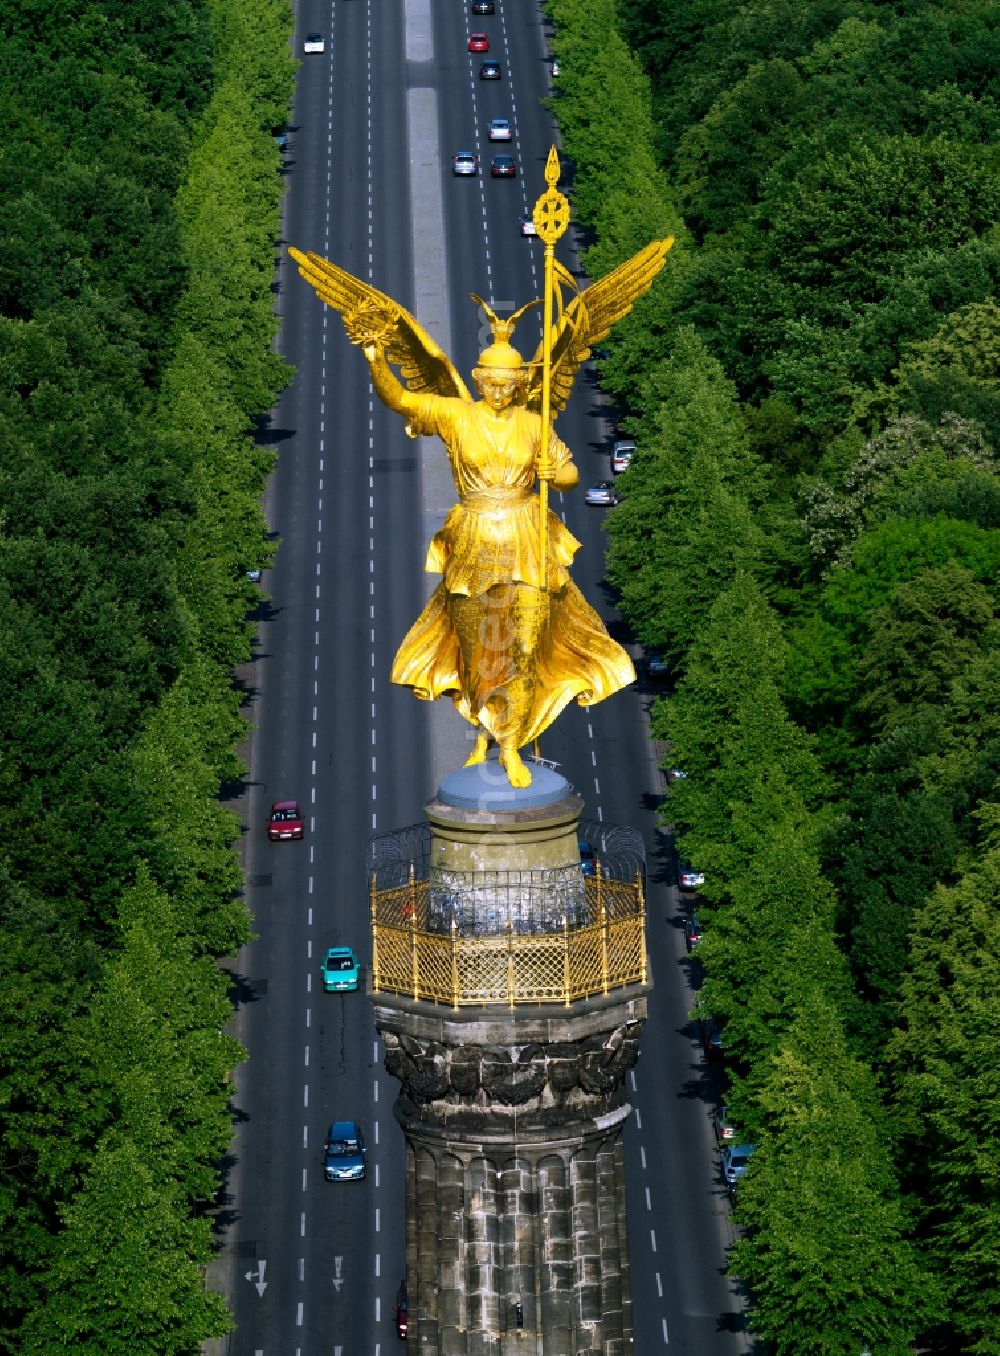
(369, 327)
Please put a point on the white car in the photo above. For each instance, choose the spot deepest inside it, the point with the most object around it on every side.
(622, 453)
(465, 162)
(500, 130)
(601, 495)
(528, 226)
(314, 43)
(688, 878)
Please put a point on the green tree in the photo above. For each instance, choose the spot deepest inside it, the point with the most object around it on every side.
(685, 527)
(127, 1278)
(825, 1250)
(944, 1059)
(919, 640)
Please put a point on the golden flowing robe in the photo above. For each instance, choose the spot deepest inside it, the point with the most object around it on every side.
(509, 653)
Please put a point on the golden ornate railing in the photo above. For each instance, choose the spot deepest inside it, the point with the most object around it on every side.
(512, 967)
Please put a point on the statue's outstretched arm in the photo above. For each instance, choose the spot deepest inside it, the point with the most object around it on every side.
(388, 388)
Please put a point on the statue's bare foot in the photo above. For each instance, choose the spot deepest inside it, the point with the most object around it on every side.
(517, 773)
(478, 754)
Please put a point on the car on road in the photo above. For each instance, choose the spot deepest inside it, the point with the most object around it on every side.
(657, 665)
(692, 933)
(285, 821)
(528, 227)
(340, 970)
(402, 1310)
(500, 130)
(314, 43)
(344, 1152)
(688, 878)
(503, 167)
(724, 1126)
(713, 1040)
(588, 863)
(601, 495)
(464, 163)
(622, 452)
(735, 1159)
(490, 70)
(483, 7)
(479, 42)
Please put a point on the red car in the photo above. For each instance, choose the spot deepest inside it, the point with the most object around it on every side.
(479, 42)
(285, 821)
(402, 1311)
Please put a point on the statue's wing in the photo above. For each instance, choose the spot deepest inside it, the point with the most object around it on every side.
(370, 316)
(589, 317)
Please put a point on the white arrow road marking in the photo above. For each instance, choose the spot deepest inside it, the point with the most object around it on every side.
(338, 1280)
(260, 1285)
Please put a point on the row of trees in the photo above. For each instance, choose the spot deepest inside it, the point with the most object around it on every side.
(140, 200)
(811, 531)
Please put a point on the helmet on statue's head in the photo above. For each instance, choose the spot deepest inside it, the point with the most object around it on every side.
(501, 357)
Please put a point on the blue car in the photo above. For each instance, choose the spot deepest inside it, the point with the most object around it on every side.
(344, 1152)
(340, 970)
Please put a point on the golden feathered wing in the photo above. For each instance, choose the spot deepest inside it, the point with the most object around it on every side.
(589, 317)
(371, 316)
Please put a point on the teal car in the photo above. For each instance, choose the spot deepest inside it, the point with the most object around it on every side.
(340, 970)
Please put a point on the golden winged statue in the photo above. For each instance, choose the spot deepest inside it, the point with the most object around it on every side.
(506, 633)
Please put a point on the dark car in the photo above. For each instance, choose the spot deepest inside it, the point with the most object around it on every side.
(344, 1152)
(285, 821)
(503, 167)
(692, 933)
(402, 1311)
(588, 864)
(657, 665)
(490, 70)
(713, 1040)
(483, 7)
(725, 1127)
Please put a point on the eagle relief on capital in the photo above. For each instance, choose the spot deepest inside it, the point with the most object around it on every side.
(586, 1075)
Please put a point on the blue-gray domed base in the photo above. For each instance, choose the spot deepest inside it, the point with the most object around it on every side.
(484, 786)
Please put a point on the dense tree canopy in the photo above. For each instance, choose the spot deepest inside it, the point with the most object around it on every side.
(809, 530)
(130, 513)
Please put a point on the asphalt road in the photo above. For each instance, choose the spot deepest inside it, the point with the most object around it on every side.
(311, 1267)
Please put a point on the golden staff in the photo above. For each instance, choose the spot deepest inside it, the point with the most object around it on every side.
(551, 217)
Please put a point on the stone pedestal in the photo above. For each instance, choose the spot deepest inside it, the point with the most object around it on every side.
(516, 1241)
